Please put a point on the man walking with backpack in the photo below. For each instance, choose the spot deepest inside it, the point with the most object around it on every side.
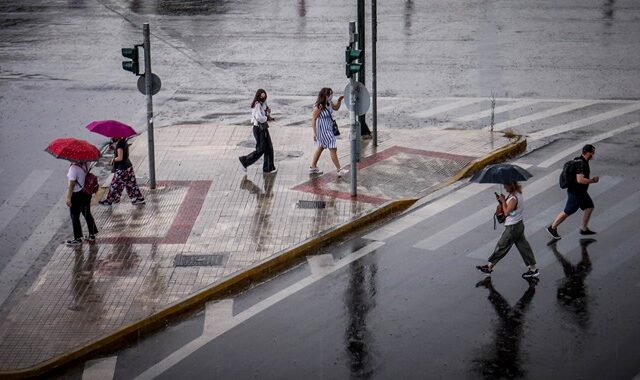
(576, 178)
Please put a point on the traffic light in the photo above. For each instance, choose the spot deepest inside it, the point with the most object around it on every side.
(132, 54)
(351, 55)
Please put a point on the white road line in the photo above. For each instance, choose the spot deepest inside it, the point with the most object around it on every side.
(482, 216)
(446, 107)
(29, 251)
(191, 347)
(426, 212)
(584, 122)
(217, 316)
(541, 115)
(21, 195)
(100, 369)
(542, 219)
(497, 110)
(571, 151)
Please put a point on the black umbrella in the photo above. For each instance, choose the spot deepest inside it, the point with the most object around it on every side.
(501, 173)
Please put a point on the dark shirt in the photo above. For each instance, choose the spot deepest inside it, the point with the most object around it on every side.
(125, 163)
(582, 167)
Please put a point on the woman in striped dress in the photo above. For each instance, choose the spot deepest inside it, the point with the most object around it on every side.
(322, 125)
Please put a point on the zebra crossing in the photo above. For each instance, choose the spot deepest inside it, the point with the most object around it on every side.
(544, 199)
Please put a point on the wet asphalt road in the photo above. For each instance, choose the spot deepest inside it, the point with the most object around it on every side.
(401, 311)
(60, 65)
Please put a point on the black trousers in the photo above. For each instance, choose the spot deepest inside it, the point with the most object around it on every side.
(263, 147)
(81, 204)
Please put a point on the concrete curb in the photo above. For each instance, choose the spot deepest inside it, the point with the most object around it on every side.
(252, 274)
(246, 277)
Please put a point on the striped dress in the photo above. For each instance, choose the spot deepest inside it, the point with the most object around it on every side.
(324, 129)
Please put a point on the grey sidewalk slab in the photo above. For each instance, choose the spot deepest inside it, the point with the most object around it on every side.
(207, 212)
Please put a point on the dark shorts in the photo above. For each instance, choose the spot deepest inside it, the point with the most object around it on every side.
(577, 201)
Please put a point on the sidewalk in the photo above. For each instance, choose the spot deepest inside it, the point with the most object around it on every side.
(207, 221)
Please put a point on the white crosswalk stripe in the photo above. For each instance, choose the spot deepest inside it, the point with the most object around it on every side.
(498, 110)
(446, 107)
(570, 151)
(584, 122)
(542, 115)
(542, 219)
(21, 195)
(482, 216)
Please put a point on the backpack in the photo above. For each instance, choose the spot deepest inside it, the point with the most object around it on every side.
(91, 184)
(568, 175)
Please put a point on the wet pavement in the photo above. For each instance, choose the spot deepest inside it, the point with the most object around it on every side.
(60, 68)
(381, 305)
(208, 212)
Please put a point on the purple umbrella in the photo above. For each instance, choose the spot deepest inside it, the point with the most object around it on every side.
(111, 128)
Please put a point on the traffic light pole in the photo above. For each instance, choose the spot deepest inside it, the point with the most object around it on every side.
(355, 130)
(148, 98)
(361, 75)
(374, 71)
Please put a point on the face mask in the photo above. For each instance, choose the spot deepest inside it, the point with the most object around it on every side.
(330, 97)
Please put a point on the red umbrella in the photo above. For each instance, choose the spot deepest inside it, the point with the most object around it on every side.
(111, 128)
(73, 150)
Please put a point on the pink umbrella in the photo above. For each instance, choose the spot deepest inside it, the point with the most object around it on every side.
(111, 128)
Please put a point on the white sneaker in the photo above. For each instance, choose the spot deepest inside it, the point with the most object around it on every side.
(342, 172)
(315, 170)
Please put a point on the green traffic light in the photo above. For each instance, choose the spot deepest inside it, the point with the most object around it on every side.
(132, 54)
(351, 67)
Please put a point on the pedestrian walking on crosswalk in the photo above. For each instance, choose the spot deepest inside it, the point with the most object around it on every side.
(512, 207)
(578, 177)
(323, 130)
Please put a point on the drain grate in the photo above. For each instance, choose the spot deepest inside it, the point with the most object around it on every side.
(312, 204)
(198, 260)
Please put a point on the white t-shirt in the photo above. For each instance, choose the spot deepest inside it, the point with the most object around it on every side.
(76, 173)
(259, 113)
(516, 215)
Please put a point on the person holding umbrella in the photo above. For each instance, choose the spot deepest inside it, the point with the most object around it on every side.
(123, 176)
(512, 206)
(79, 152)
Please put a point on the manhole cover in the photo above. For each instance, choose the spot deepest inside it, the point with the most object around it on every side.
(198, 260)
(312, 204)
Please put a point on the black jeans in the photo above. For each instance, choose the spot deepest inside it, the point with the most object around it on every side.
(81, 204)
(263, 146)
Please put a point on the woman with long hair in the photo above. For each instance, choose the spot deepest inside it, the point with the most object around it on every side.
(261, 113)
(512, 207)
(322, 126)
(123, 177)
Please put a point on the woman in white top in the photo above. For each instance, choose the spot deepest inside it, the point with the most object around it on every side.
(79, 202)
(259, 117)
(512, 207)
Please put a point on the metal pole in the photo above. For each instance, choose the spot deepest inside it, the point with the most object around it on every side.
(148, 84)
(374, 71)
(361, 75)
(354, 123)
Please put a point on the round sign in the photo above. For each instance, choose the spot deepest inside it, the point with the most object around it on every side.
(363, 99)
(155, 84)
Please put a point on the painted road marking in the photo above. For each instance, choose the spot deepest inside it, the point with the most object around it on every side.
(446, 107)
(542, 115)
(543, 219)
(578, 147)
(22, 194)
(100, 369)
(218, 315)
(497, 110)
(29, 251)
(426, 212)
(584, 122)
(482, 216)
(191, 347)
